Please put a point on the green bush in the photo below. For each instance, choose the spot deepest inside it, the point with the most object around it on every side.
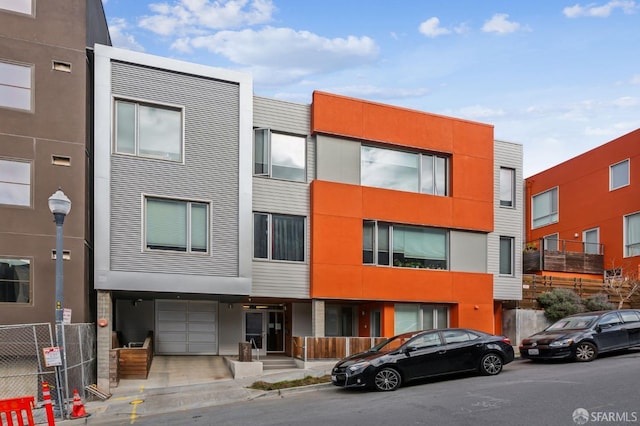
(598, 302)
(559, 303)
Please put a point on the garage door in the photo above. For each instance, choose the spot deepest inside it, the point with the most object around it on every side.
(186, 327)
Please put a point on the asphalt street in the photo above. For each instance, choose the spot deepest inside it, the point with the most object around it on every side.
(606, 391)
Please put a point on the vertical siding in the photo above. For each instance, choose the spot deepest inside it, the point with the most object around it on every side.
(209, 172)
(508, 223)
(271, 278)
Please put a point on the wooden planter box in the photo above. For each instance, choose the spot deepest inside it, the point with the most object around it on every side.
(136, 362)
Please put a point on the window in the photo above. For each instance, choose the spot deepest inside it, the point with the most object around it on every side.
(507, 187)
(427, 340)
(411, 317)
(20, 6)
(434, 316)
(176, 225)
(632, 235)
(149, 130)
(591, 238)
(15, 86)
(506, 255)
(412, 246)
(279, 156)
(15, 280)
(278, 237)
(551, 242)
(15, 183)
(458, 336)
(545, 208)
(619, 175)
(403, 171)
(630, 316)
(339, 321)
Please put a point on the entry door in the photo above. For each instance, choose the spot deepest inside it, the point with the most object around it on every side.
(265, 331)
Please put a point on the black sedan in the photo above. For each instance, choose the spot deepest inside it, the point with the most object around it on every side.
(420, 354)
(583, 336)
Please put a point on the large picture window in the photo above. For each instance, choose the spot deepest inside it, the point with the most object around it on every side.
(279, 156)
(147, 130)
(176, 225)
(619, 175)
(632, 235)
(278, 237)
(545, 208)
(15, 86)
(403, 171)
(15, 183)
(411, 246)
(15, 281)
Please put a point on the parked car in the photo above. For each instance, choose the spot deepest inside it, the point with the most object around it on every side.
(583, 336)
(421, 354)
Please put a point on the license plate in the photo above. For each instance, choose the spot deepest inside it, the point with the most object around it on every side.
(334, 378)
(534, 352)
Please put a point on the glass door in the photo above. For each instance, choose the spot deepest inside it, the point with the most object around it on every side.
(275, 331)
(254, 331)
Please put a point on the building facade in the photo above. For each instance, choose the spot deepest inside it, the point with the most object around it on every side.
(45, 143)
(587, 208)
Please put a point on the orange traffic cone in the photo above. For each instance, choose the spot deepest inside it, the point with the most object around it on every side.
(46, 396)
(78, 407)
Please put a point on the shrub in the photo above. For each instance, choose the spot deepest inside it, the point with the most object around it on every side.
(598, 302)
(560, 302)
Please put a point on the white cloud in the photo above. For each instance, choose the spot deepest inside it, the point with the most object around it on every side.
(378, 93)
(431, 28)
(118, 30)
(575, 11)
(626, 102)
(296, 53)
(635, 79)
(195, 16)
(500, 24)
(478, 112)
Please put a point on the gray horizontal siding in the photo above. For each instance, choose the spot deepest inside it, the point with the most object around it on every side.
(508, 222)
(283, 279)
(209, 172)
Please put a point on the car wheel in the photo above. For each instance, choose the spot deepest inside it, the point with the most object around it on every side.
(491, 364)
(586, 351)
(387, 379)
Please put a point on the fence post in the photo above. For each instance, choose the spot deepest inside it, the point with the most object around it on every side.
(347, 348)
(305, 348)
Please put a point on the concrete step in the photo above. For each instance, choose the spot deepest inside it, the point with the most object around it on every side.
(278, 363)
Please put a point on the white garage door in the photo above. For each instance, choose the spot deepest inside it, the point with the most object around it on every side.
(186, 327)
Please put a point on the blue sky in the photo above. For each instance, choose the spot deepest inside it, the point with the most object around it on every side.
(558, 77)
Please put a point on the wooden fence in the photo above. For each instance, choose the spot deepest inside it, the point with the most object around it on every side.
(534, 285)
(314, 348)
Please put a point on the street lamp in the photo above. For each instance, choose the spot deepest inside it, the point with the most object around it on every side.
(60, 206)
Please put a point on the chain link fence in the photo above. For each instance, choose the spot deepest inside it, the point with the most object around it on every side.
(23, 368)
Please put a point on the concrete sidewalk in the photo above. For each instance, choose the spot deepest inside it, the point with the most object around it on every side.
(140, 398)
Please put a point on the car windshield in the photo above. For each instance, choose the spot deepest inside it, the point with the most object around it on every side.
(393, 343)
(573, 322)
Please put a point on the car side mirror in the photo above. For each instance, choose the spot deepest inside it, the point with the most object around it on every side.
(410, 349)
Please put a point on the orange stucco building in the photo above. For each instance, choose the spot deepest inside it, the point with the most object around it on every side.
(590, 204)
(360, 220)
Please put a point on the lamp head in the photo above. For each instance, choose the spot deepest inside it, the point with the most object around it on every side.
(59, 203)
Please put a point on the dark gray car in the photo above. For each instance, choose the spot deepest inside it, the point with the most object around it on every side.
(583, 336)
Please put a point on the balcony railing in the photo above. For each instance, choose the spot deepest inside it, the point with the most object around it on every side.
(563, 256)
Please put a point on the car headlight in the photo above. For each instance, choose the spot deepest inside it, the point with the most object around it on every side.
(358, 366)
(561, 343)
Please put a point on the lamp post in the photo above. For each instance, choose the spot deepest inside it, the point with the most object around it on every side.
(60, 205)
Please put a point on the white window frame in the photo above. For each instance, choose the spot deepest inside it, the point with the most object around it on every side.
(7, 183)
(15, 87)
(626, 245)
(587, 246)
(188, 230)
(512, 187)
(511, 256)
(152, 104)
(611, 168)
(553, 216)
(266, 138)
(551, 237)
(24, 7)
